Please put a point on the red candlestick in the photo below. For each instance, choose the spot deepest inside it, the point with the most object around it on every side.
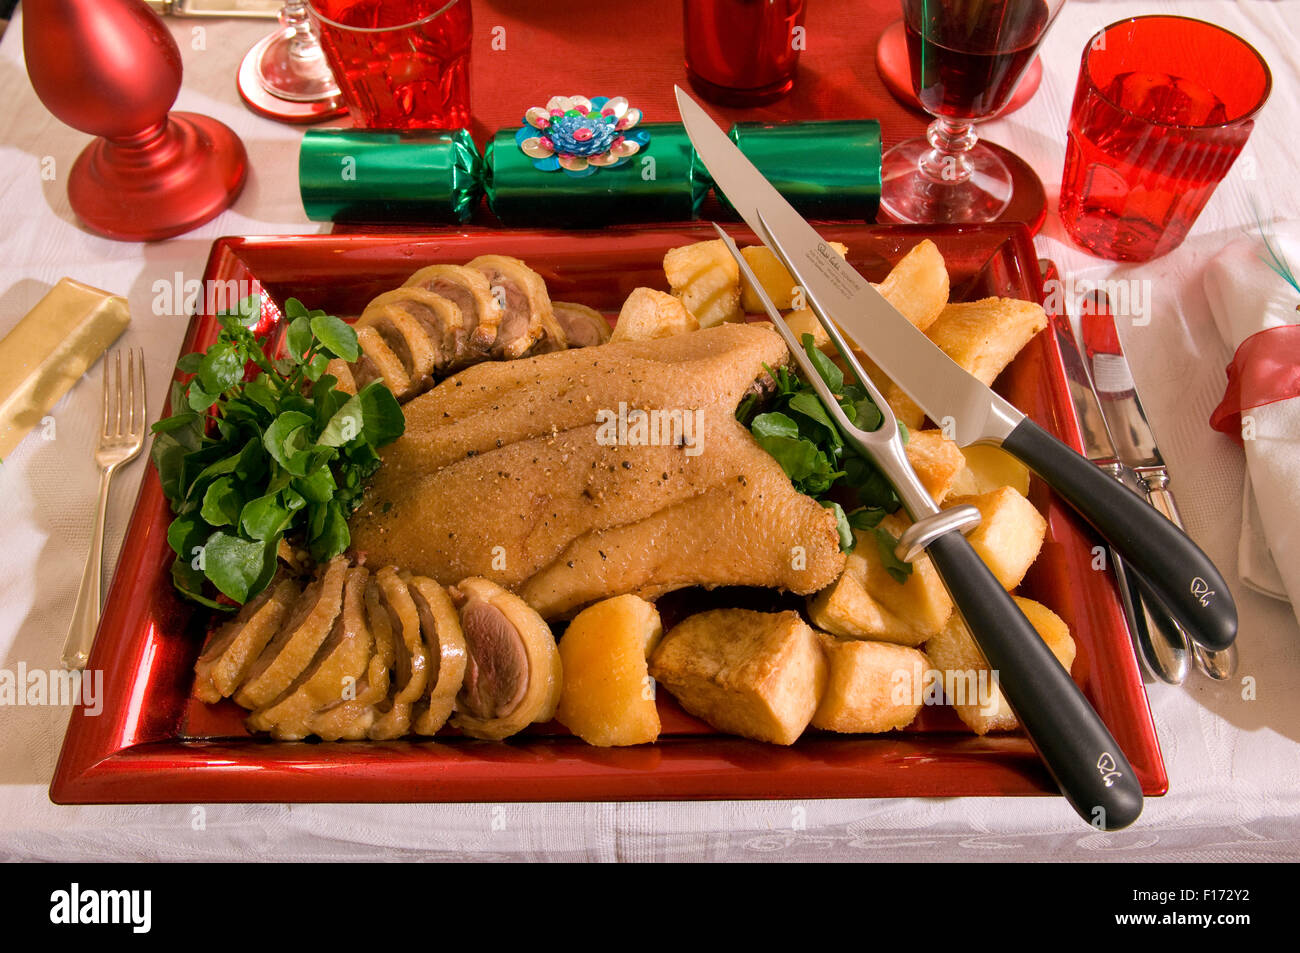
(112, 69)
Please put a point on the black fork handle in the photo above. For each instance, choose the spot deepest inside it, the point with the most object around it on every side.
(1077, 747)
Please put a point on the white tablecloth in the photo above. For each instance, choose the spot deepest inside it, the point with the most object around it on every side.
(1234, 764)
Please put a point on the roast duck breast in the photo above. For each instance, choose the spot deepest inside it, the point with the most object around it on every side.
(572, 476)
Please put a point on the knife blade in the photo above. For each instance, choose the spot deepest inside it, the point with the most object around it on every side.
(1136, 446)
(1188, 583)
(1160, 645)
(1075, 745)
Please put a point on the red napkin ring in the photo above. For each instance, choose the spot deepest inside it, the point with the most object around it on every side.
(1265, 369)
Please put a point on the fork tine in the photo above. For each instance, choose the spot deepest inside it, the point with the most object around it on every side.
(103, 400)
(832, 406)
(117, 394)
(130, 391)
(142, 396)
(889, 422)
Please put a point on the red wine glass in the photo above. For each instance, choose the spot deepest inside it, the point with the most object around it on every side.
(285, 76)
(967, 57)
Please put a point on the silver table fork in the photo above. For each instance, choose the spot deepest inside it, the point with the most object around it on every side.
(121, 436)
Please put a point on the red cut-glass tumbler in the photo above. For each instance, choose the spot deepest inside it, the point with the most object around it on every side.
(1161, 111)
(400, 64)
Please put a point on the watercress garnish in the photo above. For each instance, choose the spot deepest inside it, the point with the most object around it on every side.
(792, 425)
(257, 449)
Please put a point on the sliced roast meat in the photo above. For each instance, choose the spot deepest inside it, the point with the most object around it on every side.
(410, 669)
(331, 675)
(583, 326)
(512, 674)
(431, 325)
(468, 289)
(407, 337)
(232, 649)
(447, 655)
(497, 673)
(379, 362)
(351, 719)
(295, 645)
(341, 371)
(528, 315)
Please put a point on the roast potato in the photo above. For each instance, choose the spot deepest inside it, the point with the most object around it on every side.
(918, 285)
(755, 674)
(803, 322)
(649, 314)
(773, 276)
(936, 460)
(707, 279)
(986, 469)
(983, 336)
(608, 697)
(1009, 535)
(867, 603)
(870, 686)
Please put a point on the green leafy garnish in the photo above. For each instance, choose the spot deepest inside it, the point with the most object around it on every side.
(258, 449)
(897, 569)
(792, 425)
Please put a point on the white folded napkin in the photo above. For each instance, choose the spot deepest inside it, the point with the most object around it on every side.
(1246, 295)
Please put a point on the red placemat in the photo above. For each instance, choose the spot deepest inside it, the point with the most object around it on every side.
(615, 47)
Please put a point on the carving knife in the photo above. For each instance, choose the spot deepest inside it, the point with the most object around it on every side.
(1136, 443)
(1075, 745)
(1161, 646)
(1187, 582)
(1072, 740)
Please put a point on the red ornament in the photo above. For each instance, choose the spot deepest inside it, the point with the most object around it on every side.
(112, 69)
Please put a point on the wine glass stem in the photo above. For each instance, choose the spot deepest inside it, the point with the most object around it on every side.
(947, 161)
(303, 45)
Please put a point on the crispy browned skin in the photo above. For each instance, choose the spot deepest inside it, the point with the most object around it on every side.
(340, 660)
(352, 719)
(733, 534)
(232, 649)
(501, 473)
(447, 654)
(293, 648)
(410, 674)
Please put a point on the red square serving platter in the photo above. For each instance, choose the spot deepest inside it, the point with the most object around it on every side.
(153, 743)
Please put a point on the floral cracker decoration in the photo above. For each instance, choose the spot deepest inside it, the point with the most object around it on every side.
(581, 135)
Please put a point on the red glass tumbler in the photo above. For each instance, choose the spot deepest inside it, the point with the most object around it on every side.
(400, 64)
(742, 52)
(1161, 111)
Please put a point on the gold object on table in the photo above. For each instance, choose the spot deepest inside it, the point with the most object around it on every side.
(49, 351)
(252, 9)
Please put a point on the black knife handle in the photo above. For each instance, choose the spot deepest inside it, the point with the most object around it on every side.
(1173, 566)
(1078, 749)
